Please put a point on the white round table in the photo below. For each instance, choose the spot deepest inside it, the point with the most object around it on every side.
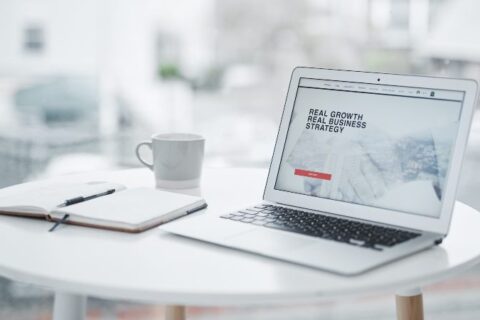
(155, 266)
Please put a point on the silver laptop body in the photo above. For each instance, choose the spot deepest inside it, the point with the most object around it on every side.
(364, 172)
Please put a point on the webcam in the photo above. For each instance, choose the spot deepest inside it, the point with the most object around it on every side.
(378, 79)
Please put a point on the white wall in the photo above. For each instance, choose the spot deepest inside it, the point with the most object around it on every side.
(112, 39)
(70, 37)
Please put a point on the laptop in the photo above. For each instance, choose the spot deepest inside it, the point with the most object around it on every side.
(364, 172)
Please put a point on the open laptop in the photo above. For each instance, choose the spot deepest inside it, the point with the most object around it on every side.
(364, 171)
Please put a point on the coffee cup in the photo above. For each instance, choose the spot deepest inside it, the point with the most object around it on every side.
(177, 159)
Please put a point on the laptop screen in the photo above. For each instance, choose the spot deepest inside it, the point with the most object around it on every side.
(375, 145)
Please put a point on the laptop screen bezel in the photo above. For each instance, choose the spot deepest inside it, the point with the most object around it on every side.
(438, 224)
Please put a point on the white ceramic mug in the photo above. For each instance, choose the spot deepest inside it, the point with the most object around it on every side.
(177, 159)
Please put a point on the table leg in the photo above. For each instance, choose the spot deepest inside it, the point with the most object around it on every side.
(175, 313)
(69, 306)
(409, 305)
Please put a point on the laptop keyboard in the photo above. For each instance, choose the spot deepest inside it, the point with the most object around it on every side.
(322, 226)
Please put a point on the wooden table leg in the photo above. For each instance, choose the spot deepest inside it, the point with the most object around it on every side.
(409, 305)
(175, 313)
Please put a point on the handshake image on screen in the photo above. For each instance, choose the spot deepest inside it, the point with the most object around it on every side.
(366, 165)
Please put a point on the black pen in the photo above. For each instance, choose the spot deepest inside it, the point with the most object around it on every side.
(71, 201)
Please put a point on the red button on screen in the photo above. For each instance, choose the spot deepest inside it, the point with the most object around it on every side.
(313, 174)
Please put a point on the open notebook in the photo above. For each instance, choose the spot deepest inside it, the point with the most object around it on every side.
(117, 208)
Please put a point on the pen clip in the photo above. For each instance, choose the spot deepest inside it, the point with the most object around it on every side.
(59, 222)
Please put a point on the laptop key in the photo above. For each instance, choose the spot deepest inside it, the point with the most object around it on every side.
(277, 226)
(357, 242)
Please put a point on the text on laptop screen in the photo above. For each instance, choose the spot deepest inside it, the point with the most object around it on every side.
(376, 145)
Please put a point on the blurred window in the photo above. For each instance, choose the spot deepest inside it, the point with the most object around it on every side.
(34, 39)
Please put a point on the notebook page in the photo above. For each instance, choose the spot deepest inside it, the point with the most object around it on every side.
(47, 197)
(132, 206)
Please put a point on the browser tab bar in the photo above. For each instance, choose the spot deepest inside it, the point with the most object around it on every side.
(383, 89)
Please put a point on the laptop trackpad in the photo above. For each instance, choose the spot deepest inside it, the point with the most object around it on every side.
(267, 241)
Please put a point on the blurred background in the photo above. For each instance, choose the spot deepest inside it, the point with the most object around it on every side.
(81, 82)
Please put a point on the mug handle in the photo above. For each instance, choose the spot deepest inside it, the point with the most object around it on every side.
(137, 152)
